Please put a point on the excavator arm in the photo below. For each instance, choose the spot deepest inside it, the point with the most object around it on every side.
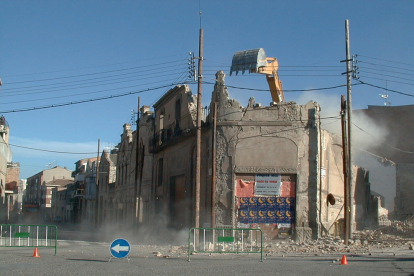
(255, 61)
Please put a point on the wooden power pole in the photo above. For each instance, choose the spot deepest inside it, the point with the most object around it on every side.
(198, 149)
(345, 169)
(350, 208)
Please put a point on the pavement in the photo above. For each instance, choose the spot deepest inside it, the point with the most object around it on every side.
(94, 258)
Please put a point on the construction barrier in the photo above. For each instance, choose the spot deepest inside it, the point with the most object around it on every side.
(15, 235)
(225, 240)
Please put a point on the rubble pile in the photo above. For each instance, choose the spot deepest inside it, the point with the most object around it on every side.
(398, 230)
(399, 235)
(325, 245)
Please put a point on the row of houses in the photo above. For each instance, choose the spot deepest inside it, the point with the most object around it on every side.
(11, 188)
(270, 167)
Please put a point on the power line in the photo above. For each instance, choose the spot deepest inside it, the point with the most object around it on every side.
(287, 75)
(89, 67)
(89, 74)
(73, 95)
(385, 75)
(389, 71)
(383, 143)
(291, 90)
(386, 66)
(88, 100)
(387, 89)
(282, 68)
(65, 152)
(409, 64)
(374, 78)
(52, 151)
(94, 92)
(82, 81)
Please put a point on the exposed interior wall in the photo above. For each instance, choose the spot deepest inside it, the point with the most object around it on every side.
(332, 182)
(404, 206)
(382, 176)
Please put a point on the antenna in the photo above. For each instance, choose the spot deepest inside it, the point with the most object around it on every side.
(109, 147)
(385, 96)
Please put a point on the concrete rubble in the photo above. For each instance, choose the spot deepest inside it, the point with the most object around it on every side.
(398, 236)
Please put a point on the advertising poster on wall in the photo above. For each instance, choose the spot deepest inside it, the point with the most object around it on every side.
(279, 210)
(267, 184)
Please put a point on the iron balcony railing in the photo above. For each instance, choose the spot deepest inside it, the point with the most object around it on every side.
(178, 128)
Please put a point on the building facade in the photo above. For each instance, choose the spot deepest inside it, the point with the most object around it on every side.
(38, 193)
(269, 167)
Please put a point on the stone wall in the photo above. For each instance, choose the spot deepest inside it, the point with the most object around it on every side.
(277, 139)
(404, 206)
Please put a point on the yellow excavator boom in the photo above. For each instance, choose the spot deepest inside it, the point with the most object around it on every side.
(255, 61)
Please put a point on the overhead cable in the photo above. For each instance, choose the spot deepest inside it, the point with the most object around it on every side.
(291, 90)
(87, 100)
(387, 89)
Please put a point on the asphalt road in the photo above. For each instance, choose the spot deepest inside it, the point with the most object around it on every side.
(92, 258)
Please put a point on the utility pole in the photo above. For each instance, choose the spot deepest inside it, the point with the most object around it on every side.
(345, 168)
(97, 183)
(198, 147)
(136, 197)
(350, 208)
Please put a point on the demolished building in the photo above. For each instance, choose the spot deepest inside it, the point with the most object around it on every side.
(268, 167)
(393, 127)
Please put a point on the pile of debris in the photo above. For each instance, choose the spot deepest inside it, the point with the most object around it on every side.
(399, 235)
(397, 230)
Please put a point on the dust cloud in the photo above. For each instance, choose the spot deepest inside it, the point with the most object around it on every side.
(155, 232)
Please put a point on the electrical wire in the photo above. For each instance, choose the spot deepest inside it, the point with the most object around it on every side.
(385, 144)
(288, 90)
(71, 95)
(387, 89)
(89, 74)
(89, 67)
(389, 71)
(65, 152)
(282, 75)
(386, 66)
(45, 150)
(87, 100)
(387, 60)
(393, 81)
(90, 80)
(385, 75)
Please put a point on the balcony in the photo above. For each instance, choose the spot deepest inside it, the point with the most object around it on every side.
(168, 134)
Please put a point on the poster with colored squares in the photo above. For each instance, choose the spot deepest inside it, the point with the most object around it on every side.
(266, 210)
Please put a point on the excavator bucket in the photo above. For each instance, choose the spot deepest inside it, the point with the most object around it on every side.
(248, 60)
(255, 61)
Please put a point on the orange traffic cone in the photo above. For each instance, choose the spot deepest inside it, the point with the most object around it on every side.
(344, 261)
(36, 253)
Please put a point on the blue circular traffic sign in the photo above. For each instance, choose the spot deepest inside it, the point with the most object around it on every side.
(120, 248)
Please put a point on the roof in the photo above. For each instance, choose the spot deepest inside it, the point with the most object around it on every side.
(171, 93)
(59, 182)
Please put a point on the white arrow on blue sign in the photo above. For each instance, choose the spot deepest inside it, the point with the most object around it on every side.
(120, 248)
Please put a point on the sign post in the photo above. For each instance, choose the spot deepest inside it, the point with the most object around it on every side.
(119, 249)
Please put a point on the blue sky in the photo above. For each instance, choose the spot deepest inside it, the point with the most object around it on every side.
(61, 52)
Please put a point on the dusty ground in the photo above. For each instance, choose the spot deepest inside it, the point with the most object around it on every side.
(393, 239)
